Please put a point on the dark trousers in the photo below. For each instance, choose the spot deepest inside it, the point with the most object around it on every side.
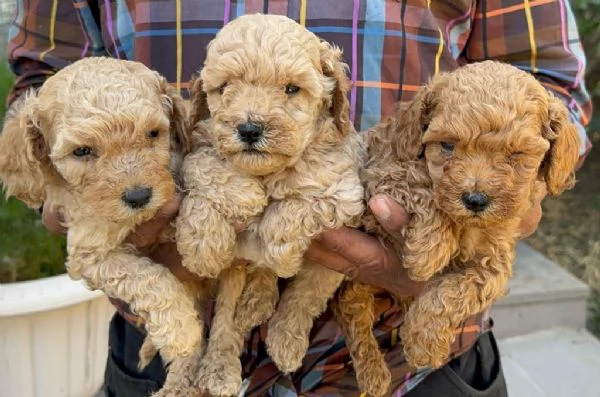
(477, 373)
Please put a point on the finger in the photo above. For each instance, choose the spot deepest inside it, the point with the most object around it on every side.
(53, 220)
(391, 215)
(147, 233)
(167, 255)
(318, 253)
(392, 278)
(239, 227)
(531, 221)
(355, 246)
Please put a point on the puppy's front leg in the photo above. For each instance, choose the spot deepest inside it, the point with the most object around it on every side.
(301, 302)
(182, 373)
(205, 239)
(286, 230)
(429, 243)
(430, 323)
(181, 377)
(218, 196)
(152, 292)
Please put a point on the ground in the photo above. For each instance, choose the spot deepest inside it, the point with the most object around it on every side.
(569, 232)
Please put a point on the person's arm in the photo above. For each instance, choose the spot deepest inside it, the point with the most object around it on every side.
(540, 38)
(47, 36)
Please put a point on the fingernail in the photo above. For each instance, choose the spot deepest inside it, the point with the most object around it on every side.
(381, 209)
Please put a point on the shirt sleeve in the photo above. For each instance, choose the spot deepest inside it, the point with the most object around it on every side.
(47, 35)
(539, 37)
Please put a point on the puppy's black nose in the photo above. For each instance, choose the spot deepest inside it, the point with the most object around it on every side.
(475, 201)
(137, 197)
(250, 132)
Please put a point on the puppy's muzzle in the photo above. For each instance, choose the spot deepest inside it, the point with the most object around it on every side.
(475, 201)
(138, 197)
(250, 133)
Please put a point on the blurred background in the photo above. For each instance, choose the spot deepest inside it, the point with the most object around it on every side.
(27, 250)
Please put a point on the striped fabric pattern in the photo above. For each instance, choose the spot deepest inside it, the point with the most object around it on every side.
(539, 36)
(392, 48)
(327, 367)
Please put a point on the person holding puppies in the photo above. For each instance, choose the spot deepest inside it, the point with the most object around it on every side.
(392, 48)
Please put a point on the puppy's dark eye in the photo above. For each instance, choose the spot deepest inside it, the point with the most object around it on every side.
(222, 88)
(291, 89)
(447, 146)
(153, 134)
(82, 151)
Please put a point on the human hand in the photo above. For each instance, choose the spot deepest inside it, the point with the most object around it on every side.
(53, 220)
(531, 220)
(363, 257)
(144, 237)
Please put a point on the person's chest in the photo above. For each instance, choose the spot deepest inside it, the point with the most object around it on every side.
(391, 46)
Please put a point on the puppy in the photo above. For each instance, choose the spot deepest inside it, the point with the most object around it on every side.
(102, 141)
(467, 158)
(280, 157)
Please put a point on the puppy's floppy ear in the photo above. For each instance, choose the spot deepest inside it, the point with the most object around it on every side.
(411, 120)
(23, 153)
(199, 110)
(333, 67)
(181, 134)
(558, 168)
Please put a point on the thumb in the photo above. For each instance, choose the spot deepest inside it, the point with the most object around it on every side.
(391, 215)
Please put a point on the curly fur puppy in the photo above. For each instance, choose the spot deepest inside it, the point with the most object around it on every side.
(281, 157)
(466, 158)
(103, 140)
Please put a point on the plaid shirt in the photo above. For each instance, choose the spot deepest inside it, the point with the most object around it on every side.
(392, 48)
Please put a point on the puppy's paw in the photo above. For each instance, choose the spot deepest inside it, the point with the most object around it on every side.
(375, 379)
(286, 352)
(178, 391)
(180, 387)
(256, 306)
(174, 343)
(419, 264)
(419, 273)
(205, 239)
(284, 259)
(426, 345)
(220, 376)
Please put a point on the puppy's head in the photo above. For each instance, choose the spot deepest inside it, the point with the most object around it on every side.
(109, 132)
(491, 135)
(271, 87)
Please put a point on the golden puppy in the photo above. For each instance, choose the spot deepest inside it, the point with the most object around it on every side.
(102, 140)
(467, 158)
(282, 157)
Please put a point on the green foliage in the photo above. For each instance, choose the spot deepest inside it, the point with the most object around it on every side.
(27, 250)
(6, 79)
(587, 13)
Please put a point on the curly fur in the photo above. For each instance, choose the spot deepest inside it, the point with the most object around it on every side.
(299, 178)
(512, 140)
(109, 107)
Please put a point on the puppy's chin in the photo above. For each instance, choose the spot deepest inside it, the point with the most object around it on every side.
(259, 163)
